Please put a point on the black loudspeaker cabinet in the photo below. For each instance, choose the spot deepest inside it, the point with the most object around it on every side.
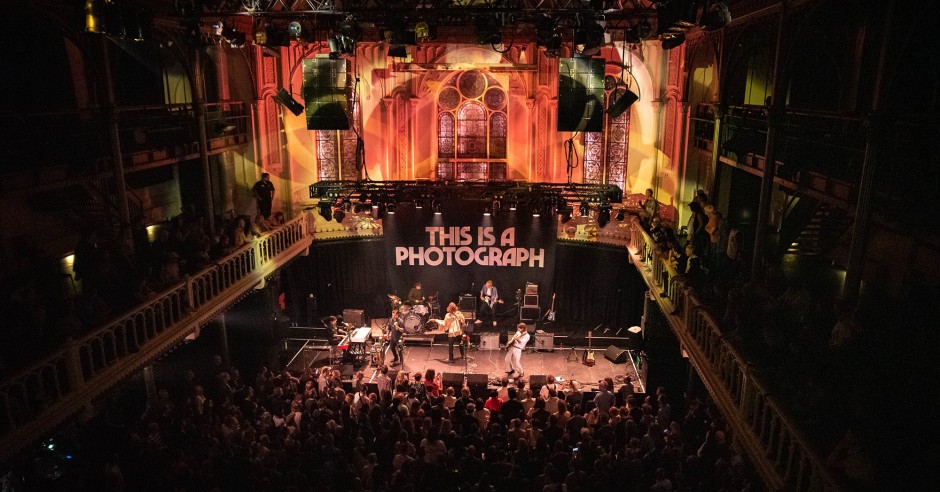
(536, 381)
(581, 95)
(616, 354)
(289, 102)
(454, 379)
(325, 93)
(347, 370)
(477, 380)
(530, 313)
(355, 317)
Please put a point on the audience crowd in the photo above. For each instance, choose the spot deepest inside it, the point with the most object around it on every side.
(42, 307)
(404, 432)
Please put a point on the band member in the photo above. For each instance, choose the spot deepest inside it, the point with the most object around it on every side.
(335, 329)
(396, 329)
(416, 295)
(454, 322)
(516, 345)
(490, 297)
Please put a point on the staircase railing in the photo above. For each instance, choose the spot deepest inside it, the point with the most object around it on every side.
(773, 440)
(39, 398)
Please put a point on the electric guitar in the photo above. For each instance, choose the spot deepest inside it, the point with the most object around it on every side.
(551, 312)
(589, 359)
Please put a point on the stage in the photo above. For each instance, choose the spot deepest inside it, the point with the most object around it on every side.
(430, 351)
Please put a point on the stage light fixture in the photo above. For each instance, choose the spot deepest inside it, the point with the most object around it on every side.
(622, 103)
(603, 215)
(437, 208)
(620, 215)
(585, 209)
(379, 210)
(339, 215)
(715, 16)
(486, 211)
(644, 28)
(672, 40)
(590, 37)
(295, 29)
(326, 210)
(390, 208)
(565, 213)
(630, 35)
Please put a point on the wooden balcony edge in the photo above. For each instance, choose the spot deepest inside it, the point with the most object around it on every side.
(68, 406)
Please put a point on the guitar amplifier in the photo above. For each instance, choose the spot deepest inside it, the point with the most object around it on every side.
(489, 341)
(530, 313)
(530, 300)
(355, 317)
(544, 341)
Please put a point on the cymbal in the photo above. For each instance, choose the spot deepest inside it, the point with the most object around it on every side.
(394, 297)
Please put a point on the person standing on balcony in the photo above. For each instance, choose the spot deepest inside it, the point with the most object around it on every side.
(263, 191)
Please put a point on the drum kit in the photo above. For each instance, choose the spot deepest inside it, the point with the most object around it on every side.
(416, 318)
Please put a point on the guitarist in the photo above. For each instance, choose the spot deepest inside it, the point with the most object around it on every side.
(515, 346)
(490, 297)
(395, 331)
(454, 323)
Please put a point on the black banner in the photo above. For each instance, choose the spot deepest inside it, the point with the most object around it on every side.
(456, 251)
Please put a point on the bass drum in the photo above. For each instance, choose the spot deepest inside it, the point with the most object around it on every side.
(413, 324)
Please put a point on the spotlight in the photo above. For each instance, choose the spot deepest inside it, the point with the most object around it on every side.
(565, 213)
(584, 209)
(513, 205)
(380, 210)
(622, 103)
(294, 28)
(672, 40)
(424, 32)
(590, 37)
(603, 215)
(716, 16)
(644, 29)
(631, 36)
(620, 215)
(339, 215)
(437, 208)
(486, 211)
(419, 203)
(326, 210)
(390, 208)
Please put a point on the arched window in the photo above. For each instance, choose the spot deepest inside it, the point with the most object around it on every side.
(471, 128)
(605, 153)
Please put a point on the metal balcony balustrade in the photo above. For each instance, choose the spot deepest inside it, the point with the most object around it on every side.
(39, 398)
(764, 429)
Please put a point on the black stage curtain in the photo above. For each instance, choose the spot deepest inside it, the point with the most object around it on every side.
(596, 284)
(341, 275)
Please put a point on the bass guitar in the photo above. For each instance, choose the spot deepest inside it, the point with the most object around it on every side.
(589, 359)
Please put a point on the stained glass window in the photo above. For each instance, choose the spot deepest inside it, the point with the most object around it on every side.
(605, 153)
(472, 127)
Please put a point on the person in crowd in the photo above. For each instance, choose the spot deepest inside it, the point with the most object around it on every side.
(649, 206)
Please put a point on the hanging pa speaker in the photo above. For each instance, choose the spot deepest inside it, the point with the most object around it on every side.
(581, 95)
(325, 94)
(289, 102)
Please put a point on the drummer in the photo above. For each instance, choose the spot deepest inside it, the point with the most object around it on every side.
(416, 295)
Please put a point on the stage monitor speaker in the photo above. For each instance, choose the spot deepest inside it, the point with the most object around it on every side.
(581, 94)
(347, 370)
(544, 341)
(355, 317)
(325, 93)
(477, 380)
(530, 313)
(454, 379)
(289, 102)
(530, 300)
(616, 354)
(489, 341)
(536, 381)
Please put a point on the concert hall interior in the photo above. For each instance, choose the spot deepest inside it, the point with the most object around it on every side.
(469, 245)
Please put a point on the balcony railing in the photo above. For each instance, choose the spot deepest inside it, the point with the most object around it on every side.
(40, 397)
(773, 440)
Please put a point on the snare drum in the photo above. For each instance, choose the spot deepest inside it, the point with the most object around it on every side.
(420, 310)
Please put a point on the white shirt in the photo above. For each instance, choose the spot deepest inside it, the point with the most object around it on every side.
(521, 340)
